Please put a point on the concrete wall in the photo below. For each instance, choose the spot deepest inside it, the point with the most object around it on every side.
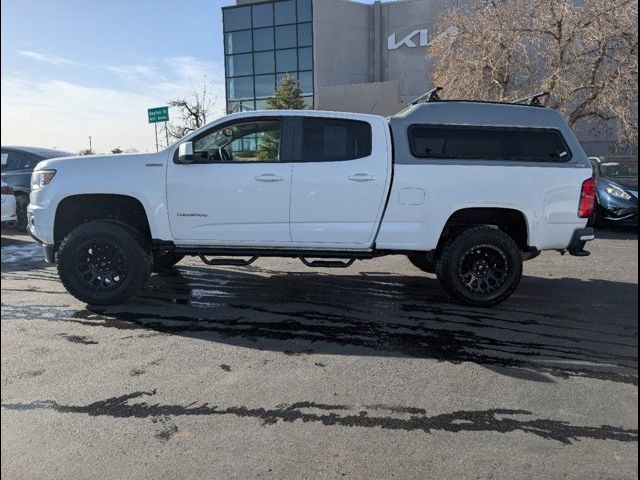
(341, 42)
(408, 65)
(380, 98)
(351, 46)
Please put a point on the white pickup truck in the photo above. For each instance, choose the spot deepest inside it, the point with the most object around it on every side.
(466, 190)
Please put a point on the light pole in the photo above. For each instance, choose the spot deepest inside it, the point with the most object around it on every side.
(90, 148)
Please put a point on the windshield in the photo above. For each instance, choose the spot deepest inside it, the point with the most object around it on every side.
(619, 170)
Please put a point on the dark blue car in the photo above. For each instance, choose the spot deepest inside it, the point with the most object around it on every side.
(616, 192)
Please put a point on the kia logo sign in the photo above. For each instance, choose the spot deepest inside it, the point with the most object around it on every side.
(422, 36)
(408, 41)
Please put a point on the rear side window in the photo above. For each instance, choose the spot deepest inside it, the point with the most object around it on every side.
(330, 140)
(488, 143)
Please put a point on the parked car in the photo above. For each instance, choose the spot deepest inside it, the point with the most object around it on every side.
(467, 190)
(8, 205)
(616, 192)
(17, 165)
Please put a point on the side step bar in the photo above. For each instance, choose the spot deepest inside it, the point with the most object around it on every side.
(229, 262)
(327, 263)
(321, 258)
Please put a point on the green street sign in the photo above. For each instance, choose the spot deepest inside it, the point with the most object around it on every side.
(158, 114)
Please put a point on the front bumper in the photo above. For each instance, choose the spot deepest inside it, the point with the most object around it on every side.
(622, 216)
(579, 240)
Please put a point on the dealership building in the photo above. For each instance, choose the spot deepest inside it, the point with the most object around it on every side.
(346, 55)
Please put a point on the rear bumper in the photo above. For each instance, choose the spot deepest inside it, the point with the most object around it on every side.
(579, 240)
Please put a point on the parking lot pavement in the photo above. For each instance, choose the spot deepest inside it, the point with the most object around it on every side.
(277, 371)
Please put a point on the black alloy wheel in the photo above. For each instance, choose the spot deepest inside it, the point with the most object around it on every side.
(481, 266)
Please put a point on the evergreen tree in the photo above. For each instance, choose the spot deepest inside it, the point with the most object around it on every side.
(288, 96)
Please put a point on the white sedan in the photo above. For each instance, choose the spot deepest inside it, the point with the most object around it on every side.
(8, 204)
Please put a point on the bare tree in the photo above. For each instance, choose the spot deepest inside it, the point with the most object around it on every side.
(193, 111)
(584, 53)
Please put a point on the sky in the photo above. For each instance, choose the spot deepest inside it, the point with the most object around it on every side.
(75, 68)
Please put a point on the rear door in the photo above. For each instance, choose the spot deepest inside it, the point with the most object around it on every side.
(340, 180)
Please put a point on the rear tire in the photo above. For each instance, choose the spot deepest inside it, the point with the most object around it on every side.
(22, 202)
(481, 267)
(103, 263)
(422, 262)
(165, 260)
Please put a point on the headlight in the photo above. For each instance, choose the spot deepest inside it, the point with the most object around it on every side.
(40, 178)
(617, 192)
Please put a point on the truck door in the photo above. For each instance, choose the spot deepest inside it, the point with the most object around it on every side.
(340, 180)
(237, 190)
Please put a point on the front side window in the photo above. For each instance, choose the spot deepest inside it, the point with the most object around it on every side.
(248, 141)
(487, 143)
(328, 139)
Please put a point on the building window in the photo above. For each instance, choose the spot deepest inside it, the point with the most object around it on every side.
(239, 65)
(306, 82)
(304, 10)
(237, 19)
(238, 42)
(285, 12)
(286, 36)
(262, 15)
(264, 62)
(240, 88)
(305, 37)
(286, 60)
(265, 85)
(262, 43)
(305, 58)
(263, 39)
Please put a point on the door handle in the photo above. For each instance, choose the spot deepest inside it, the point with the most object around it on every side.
(269, 177)
(362, 177)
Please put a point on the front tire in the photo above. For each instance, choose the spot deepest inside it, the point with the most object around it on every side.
(481, 267)
(103, 263)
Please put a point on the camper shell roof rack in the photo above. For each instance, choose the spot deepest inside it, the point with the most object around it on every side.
(433, 95)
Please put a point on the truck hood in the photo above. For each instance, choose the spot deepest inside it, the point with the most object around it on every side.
(117, 161)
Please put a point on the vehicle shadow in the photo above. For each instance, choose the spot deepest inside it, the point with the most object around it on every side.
(592, 332)
(617, 233)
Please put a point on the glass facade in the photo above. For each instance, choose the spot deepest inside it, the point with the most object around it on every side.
(262, 43)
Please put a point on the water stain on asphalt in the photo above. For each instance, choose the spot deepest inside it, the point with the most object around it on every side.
(82, 340)
(498, 420)
(432, 338)
(369, 312)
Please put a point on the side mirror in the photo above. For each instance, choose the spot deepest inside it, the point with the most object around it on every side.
(185, 152)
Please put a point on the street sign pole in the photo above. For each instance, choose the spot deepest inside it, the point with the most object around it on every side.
(156, 128)
(166, 132)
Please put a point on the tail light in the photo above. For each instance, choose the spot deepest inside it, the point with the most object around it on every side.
(7, 190)
(587, 198)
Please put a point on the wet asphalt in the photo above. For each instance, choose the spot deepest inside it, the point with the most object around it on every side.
(278, 371)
